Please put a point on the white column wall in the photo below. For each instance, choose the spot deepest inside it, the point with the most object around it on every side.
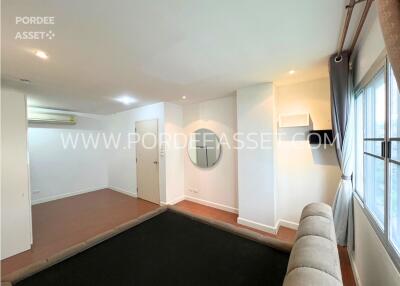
(256, 172)
(16, 224)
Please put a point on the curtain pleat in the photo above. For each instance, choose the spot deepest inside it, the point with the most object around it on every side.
(389, 18)
(342, 105)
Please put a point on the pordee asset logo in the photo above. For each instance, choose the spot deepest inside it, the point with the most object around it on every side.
(34, 35)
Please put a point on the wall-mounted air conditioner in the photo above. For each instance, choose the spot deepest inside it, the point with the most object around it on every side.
(53, 118)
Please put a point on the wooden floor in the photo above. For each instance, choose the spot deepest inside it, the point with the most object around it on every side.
(60, 224)
(285, 234)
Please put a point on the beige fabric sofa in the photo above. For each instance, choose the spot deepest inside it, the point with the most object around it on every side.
(314, 259)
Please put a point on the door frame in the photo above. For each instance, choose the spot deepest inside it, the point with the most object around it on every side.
(158, 157)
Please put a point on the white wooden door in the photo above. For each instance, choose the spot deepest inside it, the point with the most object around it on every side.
(147, 165)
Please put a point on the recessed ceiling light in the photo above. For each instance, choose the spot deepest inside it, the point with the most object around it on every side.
(292, 72)
(184, 97)
(41, 54)
(125, 99)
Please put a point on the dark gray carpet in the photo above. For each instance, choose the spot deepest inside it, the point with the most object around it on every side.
(169, 249)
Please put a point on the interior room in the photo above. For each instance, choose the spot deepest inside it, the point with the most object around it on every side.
(200, 142)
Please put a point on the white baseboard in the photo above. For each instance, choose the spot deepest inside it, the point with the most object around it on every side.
(177, 200)
(249, 223)
(354, 268)
(257, 225)
(212, 204)
(125, 192)
(173, 202)
(66, 195)
(288, 224)
(268, 228)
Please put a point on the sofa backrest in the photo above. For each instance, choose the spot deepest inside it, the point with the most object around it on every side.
(314, 259)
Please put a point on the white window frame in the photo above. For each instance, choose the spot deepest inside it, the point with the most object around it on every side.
(381, 62)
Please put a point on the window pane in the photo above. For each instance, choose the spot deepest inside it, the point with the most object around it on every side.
(359, 146)
(374, 187)
(394, 106)
(374, 116)
(394, 216)
(374, 128)
(395, 151)
(373, 147)
(394, 169)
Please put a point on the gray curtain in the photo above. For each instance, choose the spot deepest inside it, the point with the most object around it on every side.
(389, 18)
(342, 104)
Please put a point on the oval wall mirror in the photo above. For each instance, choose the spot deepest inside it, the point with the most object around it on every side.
(204, 148)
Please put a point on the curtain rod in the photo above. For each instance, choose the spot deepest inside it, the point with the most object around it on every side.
(361, 24)
(346, 25)
(345, 29)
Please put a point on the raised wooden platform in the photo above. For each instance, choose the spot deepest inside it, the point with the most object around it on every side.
(61, 224)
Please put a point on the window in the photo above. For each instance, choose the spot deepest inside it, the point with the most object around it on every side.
(359, 141)
(374, 134)
(394, 162)
(377, 158)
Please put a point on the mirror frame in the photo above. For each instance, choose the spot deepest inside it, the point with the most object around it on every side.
(220, 148)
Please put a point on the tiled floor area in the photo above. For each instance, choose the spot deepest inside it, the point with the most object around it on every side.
(60, 224)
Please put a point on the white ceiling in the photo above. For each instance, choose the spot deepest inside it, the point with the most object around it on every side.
(162, 50)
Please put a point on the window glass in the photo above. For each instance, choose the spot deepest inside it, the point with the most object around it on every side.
(374, 116)
(374, 134)
(359, 138)
(373, 147)
(395, 205)
(394, 106)
(394, 163)
(377, 173)
(374, 187)
(394, 117)
(395, 150)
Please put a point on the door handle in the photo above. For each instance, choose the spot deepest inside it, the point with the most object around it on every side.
(155, 162)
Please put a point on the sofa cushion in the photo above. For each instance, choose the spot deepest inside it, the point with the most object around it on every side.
(317, 209)
(318, 226)
(310, 277)
(315, 252)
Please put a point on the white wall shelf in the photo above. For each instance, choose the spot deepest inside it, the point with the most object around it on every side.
(294, 120)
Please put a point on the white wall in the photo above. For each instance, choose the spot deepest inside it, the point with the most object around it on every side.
(122, 161)
(256, 170)
(174, 153)
(58, 172)
(371, 263)
(16, 227)
(304, 175)
(369, 47)
(77, 170)
(215, 186)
